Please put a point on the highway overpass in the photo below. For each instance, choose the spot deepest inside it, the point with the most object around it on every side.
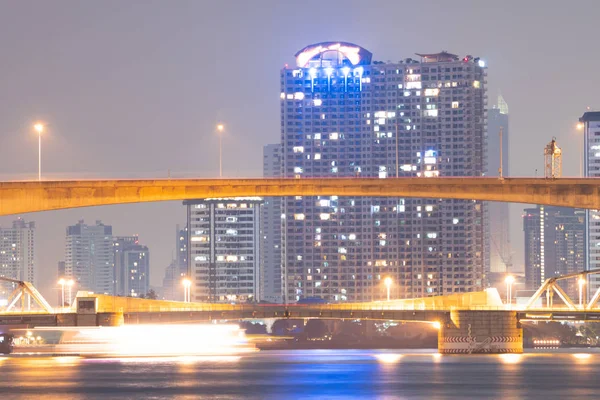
(31, 196)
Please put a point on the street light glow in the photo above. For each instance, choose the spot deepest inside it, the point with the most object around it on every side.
(509, 280)
(579, 126)
(39, 128)
(388, 281)
(220, 127)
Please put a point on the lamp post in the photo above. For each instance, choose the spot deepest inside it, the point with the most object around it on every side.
(388, 284)
(581, 282)
(509, 282)
(580, 127)
(70, 284)
(39, 128)
(187, 284)
(62, 282)
(220, 129)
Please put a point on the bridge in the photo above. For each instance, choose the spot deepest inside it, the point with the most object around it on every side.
(476, 322)
(31, 196)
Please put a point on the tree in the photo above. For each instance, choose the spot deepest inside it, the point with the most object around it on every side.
(151, 295)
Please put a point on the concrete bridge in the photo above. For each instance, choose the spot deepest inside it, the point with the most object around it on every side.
(31, 196)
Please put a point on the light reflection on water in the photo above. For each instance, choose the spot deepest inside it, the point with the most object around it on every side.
(339, 374)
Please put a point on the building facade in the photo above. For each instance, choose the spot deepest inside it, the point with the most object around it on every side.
(271, 280)
(178, 269)
(499, 228)
(591, 169)
(131, 266)
(17, 254)
(224, 249)
(554, 245)
(343, 114)
(89, 257)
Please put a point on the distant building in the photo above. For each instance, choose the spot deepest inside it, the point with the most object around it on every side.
(271, 280)
(591, 169)
(89, 257)
(177, 270)
(345, 115)
(17, 254)
(554, 245)
(131, 266)
(224, 248)
(499, 228)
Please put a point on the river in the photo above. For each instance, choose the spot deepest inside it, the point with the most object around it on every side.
(322, 374)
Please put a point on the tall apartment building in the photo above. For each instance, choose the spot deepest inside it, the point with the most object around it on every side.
(224, 249)
(343, 114)
(89, 257)
(271, 281)
(17, 254)
(178, 269)
(591, 169)
(131, 266)
(554, 245)
(499, 228)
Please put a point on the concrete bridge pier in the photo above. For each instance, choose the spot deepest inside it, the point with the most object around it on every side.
(472, 332)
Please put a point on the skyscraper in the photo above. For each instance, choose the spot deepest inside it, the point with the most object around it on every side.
(554, 245)
(591, 169)
(271, 283)
(224, 248)
(17, 254)
(499, 243)
(343, 114)
(131, 266)
(178, 269)
(89, 257)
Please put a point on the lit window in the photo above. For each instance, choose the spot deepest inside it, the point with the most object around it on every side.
(333, 136)
(298, 170)
(317, 102)
(428, 208)
(299, 96)
(432, 92)
(325, 216)
(298, 149)
(455, 104)
(430, 113)
(476, 84)
(431, 235)
(317, 156)
(299, 217)
(317, 136)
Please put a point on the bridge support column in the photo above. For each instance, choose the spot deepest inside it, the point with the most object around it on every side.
(471, 332)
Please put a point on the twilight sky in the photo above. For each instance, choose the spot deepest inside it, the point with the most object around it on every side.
(134, 88)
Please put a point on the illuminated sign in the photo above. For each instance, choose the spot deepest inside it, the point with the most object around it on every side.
(350, 52)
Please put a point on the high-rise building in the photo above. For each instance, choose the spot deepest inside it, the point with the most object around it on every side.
(131, 266)
(554, 245)
(89, 257)
(591, 169)
(271, 282)
(224, 248)
(178, 269)
(17, 254)
(499, 228)
(344, 115)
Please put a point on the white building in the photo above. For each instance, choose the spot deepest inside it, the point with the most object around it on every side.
(271, 280)
(17, 254)
(591, 169)
(224, 249)
(89, 257)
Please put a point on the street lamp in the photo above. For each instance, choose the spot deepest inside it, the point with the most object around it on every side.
(220, 129)
(70, 284)
(39, 128)
(509, 282)
(62, 282)
(581, 282)
(187, 284)
(388, 284)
